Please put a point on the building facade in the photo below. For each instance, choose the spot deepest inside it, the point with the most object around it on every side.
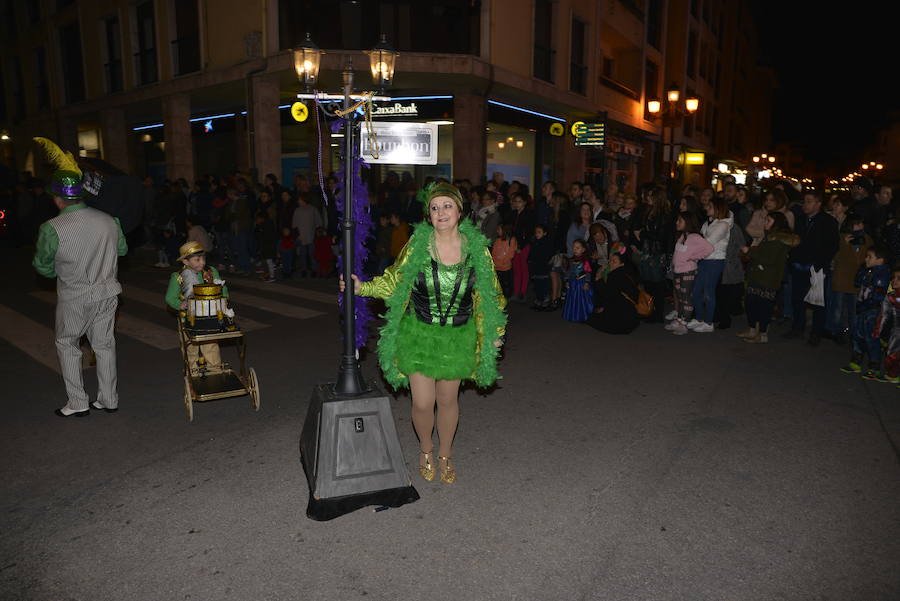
(179, 88)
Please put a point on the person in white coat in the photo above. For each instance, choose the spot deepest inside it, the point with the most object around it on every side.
(716, 230)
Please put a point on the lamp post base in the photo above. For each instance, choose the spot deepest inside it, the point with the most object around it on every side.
(351, 453)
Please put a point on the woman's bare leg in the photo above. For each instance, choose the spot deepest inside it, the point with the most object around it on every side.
(447, 415)
(555, 286)
(423, 391)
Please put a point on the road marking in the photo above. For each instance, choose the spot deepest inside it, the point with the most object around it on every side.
(313, 295)
(35, 340)
(157, 300)
(162, 338)
(272, 306)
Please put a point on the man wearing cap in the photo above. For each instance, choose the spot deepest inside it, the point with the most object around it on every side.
(80, 248)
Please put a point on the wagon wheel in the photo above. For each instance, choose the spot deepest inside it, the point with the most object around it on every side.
(188, 401)
(253, 386)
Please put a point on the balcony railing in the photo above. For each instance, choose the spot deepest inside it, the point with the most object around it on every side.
(620, 88)
(186, 54)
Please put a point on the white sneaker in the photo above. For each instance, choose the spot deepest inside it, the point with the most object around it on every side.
(672, 325)
(693, 324)
(680, 329)
(671, 315)
(705, 328)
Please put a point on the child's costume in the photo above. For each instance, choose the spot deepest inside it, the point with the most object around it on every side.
(442, 320)
(873, 284)
(181, 288)
(889, 320)
(579, 302)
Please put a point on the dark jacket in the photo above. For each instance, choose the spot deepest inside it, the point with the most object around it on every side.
(619, 315)
(818, 240)
(539, 256)
(768, 260)
(523, 225)
(266, 239)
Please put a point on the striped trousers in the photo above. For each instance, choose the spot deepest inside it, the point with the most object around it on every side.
(96, 320)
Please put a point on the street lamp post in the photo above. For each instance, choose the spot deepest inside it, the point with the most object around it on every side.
(672, 117)
(382, 59)
(348, 424)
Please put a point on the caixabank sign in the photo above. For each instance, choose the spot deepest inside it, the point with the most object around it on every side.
(387, 109)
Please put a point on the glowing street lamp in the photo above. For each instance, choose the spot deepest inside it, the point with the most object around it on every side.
(382, 60)
(691, 104)
(673, 93)
(307, 57)
(654, 106)
(755, 159)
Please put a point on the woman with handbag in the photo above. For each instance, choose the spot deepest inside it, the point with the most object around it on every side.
(656, 241)
(616, 297)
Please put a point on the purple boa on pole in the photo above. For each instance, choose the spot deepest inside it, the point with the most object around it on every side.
(362, 233)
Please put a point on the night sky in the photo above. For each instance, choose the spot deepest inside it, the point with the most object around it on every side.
(834, 70)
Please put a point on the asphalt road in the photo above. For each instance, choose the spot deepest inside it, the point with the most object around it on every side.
(647, 467)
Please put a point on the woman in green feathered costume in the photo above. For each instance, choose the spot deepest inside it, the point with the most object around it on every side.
(445, 321)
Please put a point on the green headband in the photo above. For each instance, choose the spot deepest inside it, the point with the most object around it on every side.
(443, 189)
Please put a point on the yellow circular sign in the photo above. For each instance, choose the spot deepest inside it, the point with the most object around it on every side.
(557, 129)
(299, 112)
(576, 126)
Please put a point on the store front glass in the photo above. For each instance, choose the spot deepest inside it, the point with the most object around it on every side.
(511, 151)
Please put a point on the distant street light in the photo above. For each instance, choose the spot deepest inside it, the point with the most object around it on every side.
(672, 117)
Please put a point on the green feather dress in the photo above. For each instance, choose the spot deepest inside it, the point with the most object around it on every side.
(417, 341)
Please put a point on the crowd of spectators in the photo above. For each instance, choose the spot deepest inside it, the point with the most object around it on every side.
(706, 255)
(692, 259)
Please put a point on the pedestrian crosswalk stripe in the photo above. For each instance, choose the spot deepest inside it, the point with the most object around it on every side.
(35, 340)
(157, 300)
(160, 337)
(329, 298)
(241, 299)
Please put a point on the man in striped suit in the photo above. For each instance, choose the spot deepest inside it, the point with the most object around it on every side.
(80, 248)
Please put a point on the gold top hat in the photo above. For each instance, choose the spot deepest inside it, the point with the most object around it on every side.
(190, 248)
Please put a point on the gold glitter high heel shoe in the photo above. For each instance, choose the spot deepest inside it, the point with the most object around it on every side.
(448, 474)
(427, 468)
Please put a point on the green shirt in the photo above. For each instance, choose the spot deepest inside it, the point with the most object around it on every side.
(174, 295)
(48, 243)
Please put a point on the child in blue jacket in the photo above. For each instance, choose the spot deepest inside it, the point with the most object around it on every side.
(872, 279)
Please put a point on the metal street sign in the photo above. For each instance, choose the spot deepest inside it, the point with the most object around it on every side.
(399, 143)
(590, 134)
